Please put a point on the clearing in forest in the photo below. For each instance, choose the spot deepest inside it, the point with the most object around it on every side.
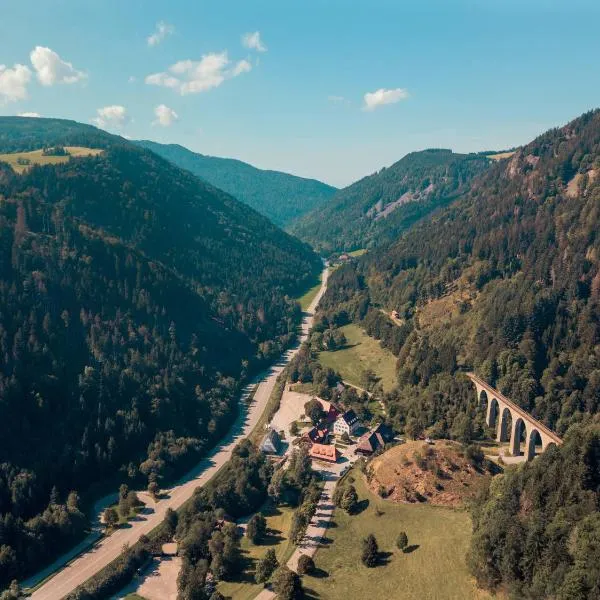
(362, 353)
(20, 161)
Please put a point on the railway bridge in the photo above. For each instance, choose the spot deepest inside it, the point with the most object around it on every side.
(511, 421)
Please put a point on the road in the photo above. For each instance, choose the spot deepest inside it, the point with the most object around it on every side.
(91, 560)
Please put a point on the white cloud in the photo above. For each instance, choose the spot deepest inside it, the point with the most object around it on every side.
(253, 42)
(111, 117)
(29, 114)
(165, 116)
(195, 76)
(13, 83)
(382, 96)
(51, 69)
(163, 30)
(242, 66)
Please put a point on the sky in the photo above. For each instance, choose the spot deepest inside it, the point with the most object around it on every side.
(333, 90)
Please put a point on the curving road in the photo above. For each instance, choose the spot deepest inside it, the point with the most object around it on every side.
(86, 561)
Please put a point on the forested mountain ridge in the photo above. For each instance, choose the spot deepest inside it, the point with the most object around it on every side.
(505, 281)
(135, 298)
(279, 196)
(378, 208)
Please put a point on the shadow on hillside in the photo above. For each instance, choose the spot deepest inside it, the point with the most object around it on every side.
(411, 548)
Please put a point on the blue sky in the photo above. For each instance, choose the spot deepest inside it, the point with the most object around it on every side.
(469, 75)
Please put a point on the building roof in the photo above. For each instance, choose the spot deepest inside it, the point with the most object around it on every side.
(324, 452)
(317, 434)
(385, 431)
(350, 417)
(271, 438)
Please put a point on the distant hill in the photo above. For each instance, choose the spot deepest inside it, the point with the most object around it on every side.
(135, 300)
(376, 209)
(279, 196)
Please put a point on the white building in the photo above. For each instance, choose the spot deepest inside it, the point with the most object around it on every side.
(346, 423)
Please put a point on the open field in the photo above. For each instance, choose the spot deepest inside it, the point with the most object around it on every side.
(433, 569)
(36, 157)
(357, 253)
(361, 353)
(278, 522)
(309, 296)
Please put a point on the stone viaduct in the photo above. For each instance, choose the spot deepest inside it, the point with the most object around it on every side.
(499, 410)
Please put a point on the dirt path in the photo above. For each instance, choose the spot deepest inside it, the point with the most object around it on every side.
(84, 562)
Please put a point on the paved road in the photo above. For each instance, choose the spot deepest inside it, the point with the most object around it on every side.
(107, 549)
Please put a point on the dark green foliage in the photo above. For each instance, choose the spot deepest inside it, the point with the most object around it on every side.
(349, 499)
(370, 551)
(111, 517)
(536, 530)
(287, 584)
(356, 216)
(313, 409)
(279, 196)
(402, 540)
(306, 565)
(135, 299)
(266, 566)
(256, 529)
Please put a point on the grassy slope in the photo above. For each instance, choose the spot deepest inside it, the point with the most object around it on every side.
(278, 521)
(36, 157)
(362, 352)
(310, 294)
(434, 570)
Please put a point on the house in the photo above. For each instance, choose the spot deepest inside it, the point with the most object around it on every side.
(395, 314)
(330, 409)
(347, 423)
(318, 434)
(271, 444)
(323, 452)
(374, 440)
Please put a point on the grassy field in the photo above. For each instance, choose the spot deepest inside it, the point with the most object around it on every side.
(357, 253)
(36, 157)
(501, 155)
(309, 296)
(278, 522)
(361, 354)
(433, 568)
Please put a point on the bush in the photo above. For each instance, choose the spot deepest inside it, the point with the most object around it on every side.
(287, 584)
(402, 541)
(266, 566)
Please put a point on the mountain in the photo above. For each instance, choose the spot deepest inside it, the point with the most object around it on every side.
(135, 300)
(279, 196)
(376, 209)
(506, 282)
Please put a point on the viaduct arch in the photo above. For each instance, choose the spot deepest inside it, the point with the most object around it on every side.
(511, 421)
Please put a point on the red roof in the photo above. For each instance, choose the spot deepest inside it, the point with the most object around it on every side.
(323, 452)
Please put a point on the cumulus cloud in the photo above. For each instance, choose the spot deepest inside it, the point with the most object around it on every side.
(13, 83)
(165, 116)
(252, 41)
(111, 117)
(162, 31)
(382, 96)
(195, 76)
(29, 114)
(51, 69)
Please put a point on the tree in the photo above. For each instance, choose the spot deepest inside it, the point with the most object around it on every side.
(349, 499)
(124, 504)
(402, 541)
(111, 517)
(294, 428)
(287, 584)
(305, 564)
(313, 409)
(256, 528)
(370, 551)
(266, 566)
(154, 489)
(171, 519)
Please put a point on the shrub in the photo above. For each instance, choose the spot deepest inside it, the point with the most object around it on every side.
(402, 541)
(305, 564)
(370, 551)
